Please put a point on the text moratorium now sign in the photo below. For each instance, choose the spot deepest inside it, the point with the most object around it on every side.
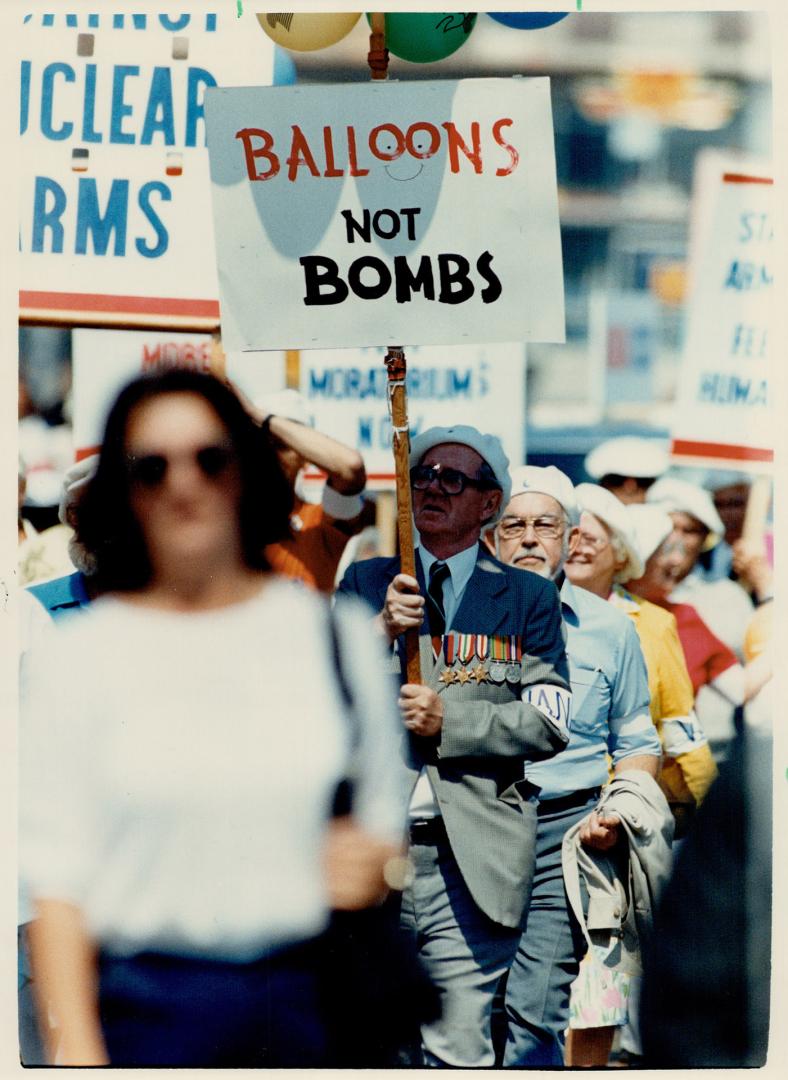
(724, 407)
(387, 213)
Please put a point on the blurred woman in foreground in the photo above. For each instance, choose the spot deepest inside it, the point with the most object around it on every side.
(182, 742)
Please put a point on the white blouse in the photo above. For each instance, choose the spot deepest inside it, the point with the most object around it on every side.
(177, 769)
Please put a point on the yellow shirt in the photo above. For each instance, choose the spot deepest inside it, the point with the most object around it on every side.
(688, 767)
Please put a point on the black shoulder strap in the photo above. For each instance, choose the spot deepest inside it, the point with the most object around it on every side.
(343, 799)
(336, 656)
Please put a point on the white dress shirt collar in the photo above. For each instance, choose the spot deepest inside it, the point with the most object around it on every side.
(461, 567)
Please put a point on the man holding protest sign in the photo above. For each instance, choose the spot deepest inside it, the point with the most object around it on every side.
(495, 695)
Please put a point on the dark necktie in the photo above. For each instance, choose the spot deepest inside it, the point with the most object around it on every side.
(436, 613)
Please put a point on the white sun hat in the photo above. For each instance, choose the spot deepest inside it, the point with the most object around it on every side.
(651, 525)
(628, 455)
(546, 480)
(679, 496)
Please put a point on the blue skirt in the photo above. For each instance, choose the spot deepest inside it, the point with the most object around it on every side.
(158, 1009)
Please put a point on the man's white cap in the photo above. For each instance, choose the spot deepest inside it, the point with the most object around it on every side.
(546, 480)
(628, 455)
(75, 479)
(651, 525)
(604, 505)
(679, 496)
(287, 403)
(486, 446)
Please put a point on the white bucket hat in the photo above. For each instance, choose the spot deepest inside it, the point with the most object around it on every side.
(604, 505)
(546, 480)
(679, 496)
(628, 455)
(651, 525)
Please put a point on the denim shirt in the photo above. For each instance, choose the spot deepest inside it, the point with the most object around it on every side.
(610, 697)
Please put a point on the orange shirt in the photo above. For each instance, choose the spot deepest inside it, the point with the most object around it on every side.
(313, 552)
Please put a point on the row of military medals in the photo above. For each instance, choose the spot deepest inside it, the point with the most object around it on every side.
(505, 654)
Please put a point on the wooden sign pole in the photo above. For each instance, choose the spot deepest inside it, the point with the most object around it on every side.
(378, 59)
(378, 55)
(398, 407)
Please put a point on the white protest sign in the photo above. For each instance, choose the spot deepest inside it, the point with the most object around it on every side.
(346, 392)
(386, 213)
(724, 408)
(114, 188)
(105, 360)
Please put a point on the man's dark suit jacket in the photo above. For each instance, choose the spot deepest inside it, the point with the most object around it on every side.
(476, 762)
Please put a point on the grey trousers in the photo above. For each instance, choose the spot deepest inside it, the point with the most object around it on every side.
(465, 954)
(549, 954)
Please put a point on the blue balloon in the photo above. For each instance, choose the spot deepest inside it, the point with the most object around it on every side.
(284, 67)
(521, 20)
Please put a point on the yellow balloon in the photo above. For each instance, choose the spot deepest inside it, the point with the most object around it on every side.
(304, 33)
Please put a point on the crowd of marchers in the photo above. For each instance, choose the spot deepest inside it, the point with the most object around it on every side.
(248, 837)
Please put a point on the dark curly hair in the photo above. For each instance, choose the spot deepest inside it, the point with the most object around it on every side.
(107, 525)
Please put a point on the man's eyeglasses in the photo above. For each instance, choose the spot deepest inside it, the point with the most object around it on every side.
(149, 470)
(450, 481)
(546, 527)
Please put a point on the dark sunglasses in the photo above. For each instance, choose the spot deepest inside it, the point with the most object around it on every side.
(149, 470)
(450, 481)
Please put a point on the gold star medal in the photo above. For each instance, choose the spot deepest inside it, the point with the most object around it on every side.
(466, 646)
(448, 676)
(479, 673)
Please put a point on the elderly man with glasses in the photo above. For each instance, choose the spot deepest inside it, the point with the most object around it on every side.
(495, 697)
(610, 715)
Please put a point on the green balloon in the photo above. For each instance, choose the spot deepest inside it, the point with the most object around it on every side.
(422, 38)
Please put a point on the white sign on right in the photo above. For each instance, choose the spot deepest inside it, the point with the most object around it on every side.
(724, 408)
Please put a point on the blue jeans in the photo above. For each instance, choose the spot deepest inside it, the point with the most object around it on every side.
(161, 1010)
(549, 953)
(464, 953)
